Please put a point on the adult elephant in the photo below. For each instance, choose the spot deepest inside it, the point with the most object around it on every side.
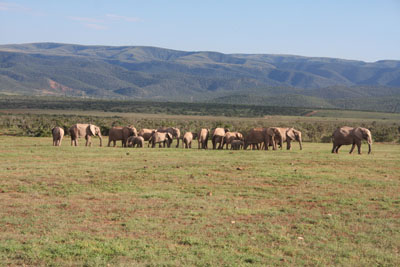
(272, 134)
(187, 139)
(122, 134)
(351, 136)
(58, 134)
(288, 135)
(175, 132)
(229, 137)
(158, 138)
(84, 130)
(255, 137)
(218, 137)
(203, 136)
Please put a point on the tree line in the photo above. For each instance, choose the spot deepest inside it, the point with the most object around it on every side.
(40, 125)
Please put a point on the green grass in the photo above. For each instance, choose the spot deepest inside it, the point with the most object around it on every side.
(98, 206)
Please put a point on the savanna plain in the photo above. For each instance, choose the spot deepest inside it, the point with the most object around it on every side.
(122, 206)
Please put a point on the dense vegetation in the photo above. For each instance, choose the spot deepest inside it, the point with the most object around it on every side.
(17, 119)
(177, 108)
(149, 73)
(313, 130)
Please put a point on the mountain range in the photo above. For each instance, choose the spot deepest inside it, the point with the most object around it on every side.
(138, 72)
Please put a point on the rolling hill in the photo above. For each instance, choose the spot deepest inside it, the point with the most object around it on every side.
(135, 72)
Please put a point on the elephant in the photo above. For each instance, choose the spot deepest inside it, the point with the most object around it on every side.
(218, 137)
(255, 137)
(203, 136)
(121, 133)
(237, 144)
(175, 132)
(133, 141)
(87, 130)
(230, 136)
(58, 134)
(273, 134)
(187, 139)
(146, 133)
(288, 135)
(159, 138)
(351, 136)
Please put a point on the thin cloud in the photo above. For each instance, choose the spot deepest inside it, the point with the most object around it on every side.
(96, 26)
(85, 19)
(5, 6)
(123, 18)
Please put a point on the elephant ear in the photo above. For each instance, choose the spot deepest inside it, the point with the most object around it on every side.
(358, 132)
(169, 136)
(290, 134)
(92, 129)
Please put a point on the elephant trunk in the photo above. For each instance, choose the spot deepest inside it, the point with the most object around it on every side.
(369, 140)
(301, 145)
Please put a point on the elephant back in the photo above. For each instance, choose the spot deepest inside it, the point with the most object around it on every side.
(218, 132)
(255, 136)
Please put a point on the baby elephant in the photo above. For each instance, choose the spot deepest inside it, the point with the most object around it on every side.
(237, 144)
(133, 141)
(188, 138)
(58, 134)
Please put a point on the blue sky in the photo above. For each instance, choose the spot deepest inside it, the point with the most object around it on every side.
(366, 30)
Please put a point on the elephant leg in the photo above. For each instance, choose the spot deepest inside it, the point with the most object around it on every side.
(352, 148)
(219, 144)
(288, 144)
(337, 148)
(359, 148)
(334, 148)
(177, 142)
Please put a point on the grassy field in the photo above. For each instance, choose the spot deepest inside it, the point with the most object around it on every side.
(99, 206)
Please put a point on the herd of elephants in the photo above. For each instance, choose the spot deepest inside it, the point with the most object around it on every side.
(256, 138)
